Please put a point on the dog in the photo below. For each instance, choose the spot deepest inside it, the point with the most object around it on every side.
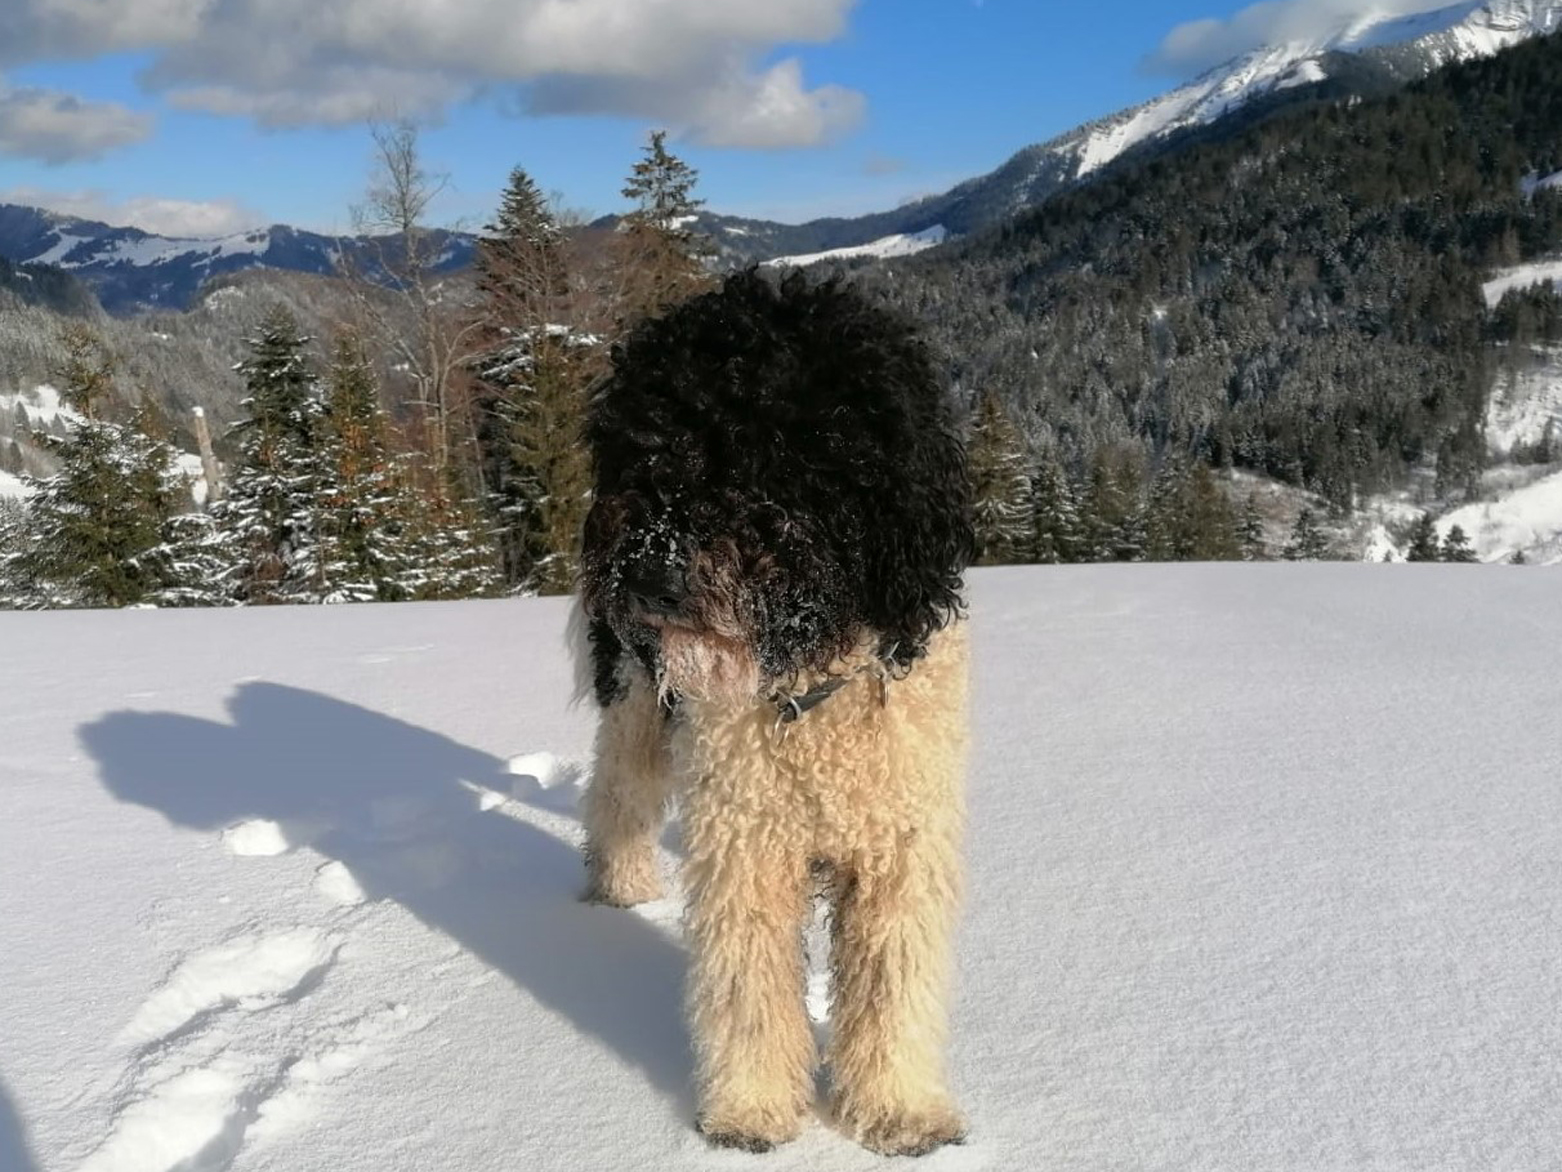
(773, 622)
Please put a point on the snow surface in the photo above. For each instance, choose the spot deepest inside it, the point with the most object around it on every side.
(43, 406)
(1532, 183)
(13, 486)
(143, 250)
(901, 244)
(1525, 400)
(1521, 277)
(1263, 864)
(1529, 519)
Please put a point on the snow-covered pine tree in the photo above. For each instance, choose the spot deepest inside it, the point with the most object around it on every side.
(14, 589)
(95, 530)
(535, 378)
(1000, 485)
(1211, 521)
(1308, 543)
(1250, 531)
(270, 512)
(194, 562)
(452, 550)
(1168, 532)
(1113, 513)
(365, 507)
(1424, 546)
(1457, 548)
(1055, 515)
(102, 530)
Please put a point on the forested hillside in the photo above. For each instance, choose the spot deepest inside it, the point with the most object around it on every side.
(1303, 300)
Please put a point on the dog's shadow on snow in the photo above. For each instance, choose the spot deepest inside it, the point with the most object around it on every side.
(14, 1156)
(394, 804)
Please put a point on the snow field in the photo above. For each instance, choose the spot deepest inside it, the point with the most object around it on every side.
(1521, 277)
(901, 244)
(1528, 519)
(1262, 864)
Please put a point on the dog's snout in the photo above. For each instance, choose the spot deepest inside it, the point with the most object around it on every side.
(659, 589)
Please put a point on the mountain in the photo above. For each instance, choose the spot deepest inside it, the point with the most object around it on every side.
(47, 287)
(1324, 298)
(1361, 55)
(131, 270)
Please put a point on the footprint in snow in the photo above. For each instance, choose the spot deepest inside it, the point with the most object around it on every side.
(229, 1052)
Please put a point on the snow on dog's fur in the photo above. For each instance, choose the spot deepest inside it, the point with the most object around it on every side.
(771, 589)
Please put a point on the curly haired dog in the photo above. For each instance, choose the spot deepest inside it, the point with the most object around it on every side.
(771, 588)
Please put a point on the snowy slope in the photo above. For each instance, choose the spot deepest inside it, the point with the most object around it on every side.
(1411, 45)
(1525, 402)
(1263, 864)
(901, 244)
(130, 269)
(1527, 518)
(1521, 277)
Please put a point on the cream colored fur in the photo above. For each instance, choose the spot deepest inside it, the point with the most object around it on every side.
(868, 786)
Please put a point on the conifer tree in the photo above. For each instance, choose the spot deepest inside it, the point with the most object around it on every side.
(1457, 548)
(1055, 515)
(1212, 523)
(1308, 543)
(100, 531)
(270, 513)
(13, 520)
(1000, 485)
(661, 185)
(1114, 514)
(1424, 546)
(521, 260)
(365, 508)
(452, 551)
(1250, 532)
(659, 258)
(536, 378)
(1168, 533)
(1518, 558)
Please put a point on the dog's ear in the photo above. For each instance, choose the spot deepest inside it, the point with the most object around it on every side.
(926, 538)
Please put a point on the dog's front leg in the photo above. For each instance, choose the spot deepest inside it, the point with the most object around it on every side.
(893, 921)
(626, 801)
(748, 897)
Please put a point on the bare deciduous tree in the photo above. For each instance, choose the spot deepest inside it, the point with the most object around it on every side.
(432, 324)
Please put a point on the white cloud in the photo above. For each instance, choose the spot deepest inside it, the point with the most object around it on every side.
(55, 127)
(165, 217)
(1201, 44)
(287, 62)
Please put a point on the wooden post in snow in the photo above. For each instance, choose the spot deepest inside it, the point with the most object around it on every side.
(203, 440)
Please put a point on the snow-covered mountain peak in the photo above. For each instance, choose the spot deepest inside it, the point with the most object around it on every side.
(1409, 45)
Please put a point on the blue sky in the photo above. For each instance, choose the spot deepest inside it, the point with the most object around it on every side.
(790, 109)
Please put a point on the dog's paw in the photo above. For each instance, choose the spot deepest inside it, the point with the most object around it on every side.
(750, 1131)
(908, 1133)
(620, 895)
(622, 886)
(738, 1141)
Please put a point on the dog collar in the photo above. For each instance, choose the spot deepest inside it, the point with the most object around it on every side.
(791, 708)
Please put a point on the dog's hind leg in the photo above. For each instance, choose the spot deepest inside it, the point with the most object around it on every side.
(891, 945)
(749, 895)
(626, 802)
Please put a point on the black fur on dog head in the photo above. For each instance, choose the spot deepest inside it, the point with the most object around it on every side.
(776, 465)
